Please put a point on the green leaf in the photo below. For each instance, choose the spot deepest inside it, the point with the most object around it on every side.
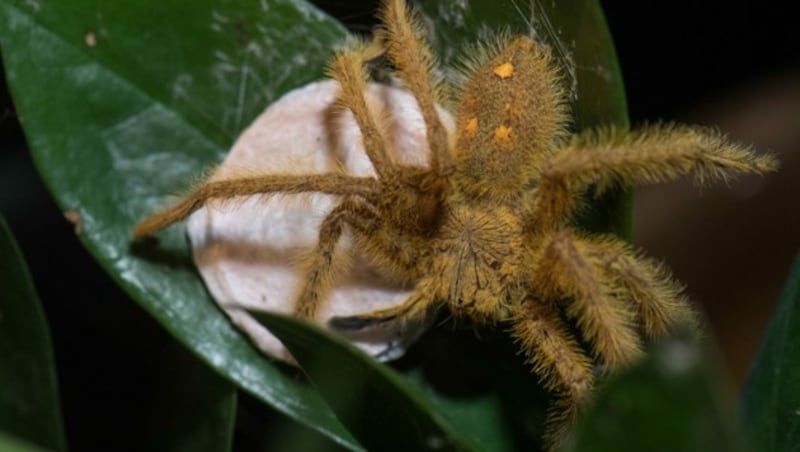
(670, 402)
(29, 403)
(479, 382)
(193, 409)
(286, 435)
(123, 103)
(373, 401)
(10, 443)
(771, 397)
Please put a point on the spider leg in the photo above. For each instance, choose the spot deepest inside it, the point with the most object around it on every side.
(347, 68)
(404, 256)
(566, 268)
(320, 271)
(415, 307)
(609, 158)
(647, 284)
(558, 360)
(415, 65)
(334, 184)
(554, 201)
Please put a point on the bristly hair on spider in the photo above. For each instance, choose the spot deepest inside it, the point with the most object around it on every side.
(486, 229)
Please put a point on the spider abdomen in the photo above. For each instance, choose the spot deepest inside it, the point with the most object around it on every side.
(509, 114)
(478, 256)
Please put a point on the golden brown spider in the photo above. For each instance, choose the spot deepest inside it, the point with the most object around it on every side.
(486, 228)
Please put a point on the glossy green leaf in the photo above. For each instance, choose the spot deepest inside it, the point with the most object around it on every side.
(372, 401)
(29, 402)
(123, 103)
(193, 408)
(670, 402)
(771, 398)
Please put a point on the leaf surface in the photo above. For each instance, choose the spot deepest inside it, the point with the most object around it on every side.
(375, 403)
(193, 408)
(771, 396)
(10, 443)
(123, 104)
(673, 401)
(29, 404)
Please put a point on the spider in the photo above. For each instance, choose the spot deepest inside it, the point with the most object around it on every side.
(486, 228)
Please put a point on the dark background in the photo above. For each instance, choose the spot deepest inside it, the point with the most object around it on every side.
(732, 64)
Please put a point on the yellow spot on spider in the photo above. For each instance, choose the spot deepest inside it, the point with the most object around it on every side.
(471, 128)
(502, 136)
(505, 70)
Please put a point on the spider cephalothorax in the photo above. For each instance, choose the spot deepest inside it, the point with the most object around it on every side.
(486, 229)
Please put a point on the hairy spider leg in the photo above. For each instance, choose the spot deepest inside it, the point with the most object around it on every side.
(403, 189)
(320, 271)
(333, 184)
(645, 283)
(347, 68)
(415, 307)
(564, 269)
(557, 359)
(364, 217)
(399, 254)
(415, 64)
(610, 157)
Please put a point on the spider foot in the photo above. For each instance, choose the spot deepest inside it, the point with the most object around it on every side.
(414, 308)
(358, 322)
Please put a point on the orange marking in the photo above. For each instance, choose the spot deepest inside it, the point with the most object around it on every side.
(505, 70)
(471, 128)
(502, 136)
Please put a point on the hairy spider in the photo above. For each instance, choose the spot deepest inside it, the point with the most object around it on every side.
(486, 228)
